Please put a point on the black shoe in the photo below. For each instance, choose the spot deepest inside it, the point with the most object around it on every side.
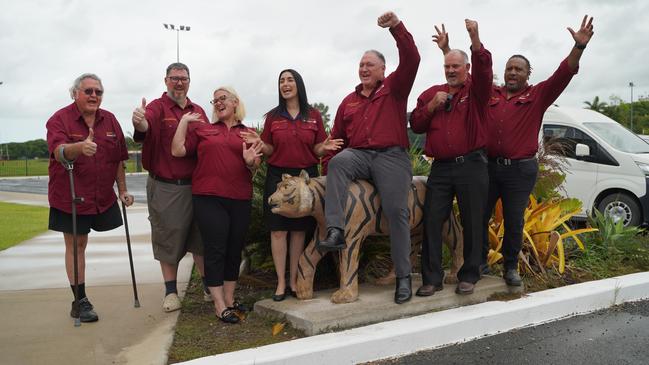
(484, 269)
(239, 307)
(428, 290)
(279, 297)
(403, 292)
(229, 316)
(335, 240)
(512, 278)
(85, 312)
(291, 292)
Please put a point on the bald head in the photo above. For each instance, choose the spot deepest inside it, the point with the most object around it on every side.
(456, 67)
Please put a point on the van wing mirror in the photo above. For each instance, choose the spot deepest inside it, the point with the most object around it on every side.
(581, 150)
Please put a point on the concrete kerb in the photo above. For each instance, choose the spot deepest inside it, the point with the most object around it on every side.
(433, 330)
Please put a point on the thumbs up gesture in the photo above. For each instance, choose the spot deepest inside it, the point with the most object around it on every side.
(88, 146)
(139, 121)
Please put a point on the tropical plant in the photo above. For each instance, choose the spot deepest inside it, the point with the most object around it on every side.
(596, 105)
(544, 232)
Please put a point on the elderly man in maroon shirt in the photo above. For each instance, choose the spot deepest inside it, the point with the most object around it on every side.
(90, 139)
(452, 117)
(372, 122)
(169, 192)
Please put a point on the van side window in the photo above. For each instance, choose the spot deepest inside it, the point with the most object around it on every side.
(568, 137)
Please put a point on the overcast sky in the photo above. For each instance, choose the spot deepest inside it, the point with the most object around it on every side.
(46, 44)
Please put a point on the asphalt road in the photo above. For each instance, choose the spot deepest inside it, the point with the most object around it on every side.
(619, 335)
(136, 184)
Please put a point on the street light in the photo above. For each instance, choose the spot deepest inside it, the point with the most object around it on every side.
(178, 29)
(631, 86)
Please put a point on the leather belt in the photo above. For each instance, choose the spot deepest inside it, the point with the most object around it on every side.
(460, 159)
(508, 161)
(171, 181)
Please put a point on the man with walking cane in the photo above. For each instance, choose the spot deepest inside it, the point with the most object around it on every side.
(87, 147)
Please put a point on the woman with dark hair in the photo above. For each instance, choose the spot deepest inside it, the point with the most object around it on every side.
(293, 139)
(221, 192)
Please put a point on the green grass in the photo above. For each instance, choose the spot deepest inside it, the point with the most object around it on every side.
(37, 167)
(20, 222)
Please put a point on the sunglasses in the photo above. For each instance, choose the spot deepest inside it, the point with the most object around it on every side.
(97, 92)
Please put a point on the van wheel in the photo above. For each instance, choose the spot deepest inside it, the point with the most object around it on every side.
(621, 206)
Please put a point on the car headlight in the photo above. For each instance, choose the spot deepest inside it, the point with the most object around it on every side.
(644, 167)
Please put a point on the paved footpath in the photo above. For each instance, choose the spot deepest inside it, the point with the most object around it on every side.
(35, 298)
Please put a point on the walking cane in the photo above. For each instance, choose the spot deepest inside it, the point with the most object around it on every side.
(75, 200)
(130, 257)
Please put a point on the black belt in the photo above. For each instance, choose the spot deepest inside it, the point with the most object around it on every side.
(382, 149)
(508, 161)
(171, 181)
(460, 159)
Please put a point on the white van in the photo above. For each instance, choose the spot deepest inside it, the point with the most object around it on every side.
(608, 164)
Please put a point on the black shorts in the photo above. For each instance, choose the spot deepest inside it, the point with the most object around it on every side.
(276, 222)
(61, 221)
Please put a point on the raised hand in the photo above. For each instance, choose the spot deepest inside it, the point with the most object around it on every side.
(191, 117)
(252, 153)
(472, 28)
(585, 32)
(332, 144)
(250, 136)
(139, 122)
(388, 20)
(88, 146)
(441, 38)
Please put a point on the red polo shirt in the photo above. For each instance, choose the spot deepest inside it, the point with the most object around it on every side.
(461, 130)
(221, 169)
(293, 139)
(163, 115)
(94, 176)
(379, 120)
(513, 124)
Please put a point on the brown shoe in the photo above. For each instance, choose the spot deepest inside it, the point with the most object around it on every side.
(428, 290)
(464, 288)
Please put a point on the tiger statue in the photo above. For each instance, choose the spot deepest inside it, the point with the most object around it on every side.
(301, 196)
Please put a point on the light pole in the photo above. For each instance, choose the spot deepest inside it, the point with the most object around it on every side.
(631, 86)
(178, 29)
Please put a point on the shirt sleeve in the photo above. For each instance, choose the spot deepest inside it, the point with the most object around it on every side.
(56, 133)
(550, 89)
(123, 150)
(321, 135)
(338, 130)
(404, 76)
(482, 75)
(152, 114)
(266, 135)
(420, 117)
(191, 140)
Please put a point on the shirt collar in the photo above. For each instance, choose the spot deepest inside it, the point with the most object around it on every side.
(359, 88)
(99, 114)
(169, 102)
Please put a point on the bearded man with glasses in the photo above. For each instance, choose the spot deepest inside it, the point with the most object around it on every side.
(169, 195)
(88, 138)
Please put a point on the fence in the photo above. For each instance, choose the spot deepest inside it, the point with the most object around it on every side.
(38, 166)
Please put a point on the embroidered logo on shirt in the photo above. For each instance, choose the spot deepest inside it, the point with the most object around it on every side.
(111, 134)
(463, 99)
(311, 121)
(73, 135)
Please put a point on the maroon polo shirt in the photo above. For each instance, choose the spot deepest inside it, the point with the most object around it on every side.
(94, 176)
(163, 115)
(293, 139)
(513, 124)
(221, 169)
(379, 120)
(460, 130)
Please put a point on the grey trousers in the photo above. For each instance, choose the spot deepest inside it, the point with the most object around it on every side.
(391, 173)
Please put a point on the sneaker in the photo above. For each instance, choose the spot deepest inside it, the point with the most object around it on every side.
(207, 297)
(171, 303)
(84, 312)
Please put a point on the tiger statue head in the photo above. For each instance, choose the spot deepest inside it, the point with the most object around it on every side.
(293, 197)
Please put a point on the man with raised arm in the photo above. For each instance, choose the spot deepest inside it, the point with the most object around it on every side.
(451, 115)
(372, 122)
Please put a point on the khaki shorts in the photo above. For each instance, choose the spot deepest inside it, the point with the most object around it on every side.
(173, 229)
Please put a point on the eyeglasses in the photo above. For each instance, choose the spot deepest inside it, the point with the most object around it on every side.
(175, 79)
(222, 99)
(97, 92)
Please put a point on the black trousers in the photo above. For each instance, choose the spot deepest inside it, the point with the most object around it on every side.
(513, 184)
(223, 224)
(468, 182)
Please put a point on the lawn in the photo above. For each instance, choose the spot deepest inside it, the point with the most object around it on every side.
(20, 222)
(38, 167)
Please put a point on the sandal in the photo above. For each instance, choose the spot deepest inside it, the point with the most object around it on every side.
(228, 316)
(239, 307)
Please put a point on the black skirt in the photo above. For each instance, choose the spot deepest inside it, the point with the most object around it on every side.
(276, 222)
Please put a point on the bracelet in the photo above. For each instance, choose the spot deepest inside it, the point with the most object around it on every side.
(580, 46)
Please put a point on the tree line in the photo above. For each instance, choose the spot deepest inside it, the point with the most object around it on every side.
(623, 112)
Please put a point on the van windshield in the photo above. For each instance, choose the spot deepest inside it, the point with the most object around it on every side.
(619, 137)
